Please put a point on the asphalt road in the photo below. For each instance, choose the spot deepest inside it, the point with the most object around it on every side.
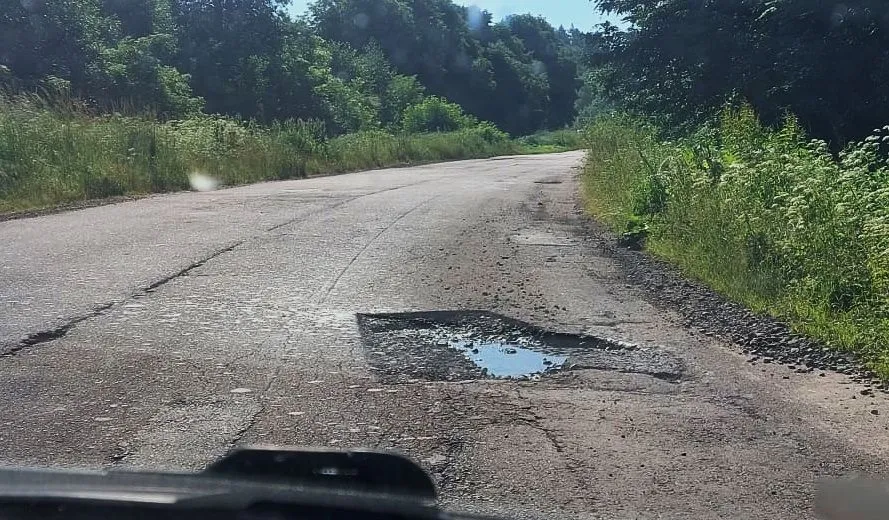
(161, 332)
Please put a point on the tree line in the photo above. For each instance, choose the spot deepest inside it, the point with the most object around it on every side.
(824, 61)
(352, 64)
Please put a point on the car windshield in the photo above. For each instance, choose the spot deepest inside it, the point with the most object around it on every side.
(608, 258)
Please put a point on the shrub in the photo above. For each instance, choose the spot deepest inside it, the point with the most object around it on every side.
(555, 140)
(435, 114)
(764, 215)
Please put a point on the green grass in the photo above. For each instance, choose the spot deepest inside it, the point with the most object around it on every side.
(554, 141)
(765, 216)
(51, 157)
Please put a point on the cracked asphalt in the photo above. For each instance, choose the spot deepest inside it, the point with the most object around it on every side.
(159, 333)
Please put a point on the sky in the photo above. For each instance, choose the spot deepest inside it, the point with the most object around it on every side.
(580, 13)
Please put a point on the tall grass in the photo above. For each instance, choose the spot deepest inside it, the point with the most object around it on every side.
(50, 156)
(552, 141)
(765, 216)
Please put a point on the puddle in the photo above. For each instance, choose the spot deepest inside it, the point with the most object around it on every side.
(464, 345)
(506, 360)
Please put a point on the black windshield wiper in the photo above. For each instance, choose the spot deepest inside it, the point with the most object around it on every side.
(248, 483)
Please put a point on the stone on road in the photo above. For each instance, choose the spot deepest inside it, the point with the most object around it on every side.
(161, 332)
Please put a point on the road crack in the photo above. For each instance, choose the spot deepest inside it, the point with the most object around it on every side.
(187, 269)
(370, 242)
(343, 203)
(261, 397)
(60, 331)
(53, 334)
(46, 336)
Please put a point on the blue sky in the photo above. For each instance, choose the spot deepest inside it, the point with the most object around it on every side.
(581, 13)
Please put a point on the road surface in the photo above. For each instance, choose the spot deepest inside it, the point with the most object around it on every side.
(161, 332)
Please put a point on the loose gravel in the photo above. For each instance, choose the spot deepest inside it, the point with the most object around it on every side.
(764, 338)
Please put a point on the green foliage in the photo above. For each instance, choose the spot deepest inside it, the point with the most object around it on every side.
(520, 74)
(60, 38)
(592, 102)
(553, 141)
(234, 52)
(551, 56)
(350, 110)
(134, 73)
(401, 92)
(47, 157)
(435, 114)
(764, 215)
(520, 82)
(378, 149)
(140, 18)
(175, 97)
(825, 62)
(356, 65)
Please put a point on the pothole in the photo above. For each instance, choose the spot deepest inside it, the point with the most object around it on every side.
(463, 345)
(504, 359)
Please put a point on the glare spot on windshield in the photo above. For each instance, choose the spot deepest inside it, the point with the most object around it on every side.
(202, 182)
(361, 20)
(475, 18)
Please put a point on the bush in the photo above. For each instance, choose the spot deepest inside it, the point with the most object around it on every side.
(402, 92)
(133, 71)
(553, 141)
(49, 157)
(435, 114)
(764, 215)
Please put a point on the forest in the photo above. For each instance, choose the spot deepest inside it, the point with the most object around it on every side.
(353, 65)
(823, 61)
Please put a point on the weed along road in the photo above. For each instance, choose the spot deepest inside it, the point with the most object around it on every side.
(467, 314)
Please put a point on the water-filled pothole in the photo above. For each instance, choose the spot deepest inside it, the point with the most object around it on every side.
(461, 345)
(504, 359)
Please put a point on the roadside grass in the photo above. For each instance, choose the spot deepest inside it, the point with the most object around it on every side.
(765, 216)
(554, 141)
(50, 157)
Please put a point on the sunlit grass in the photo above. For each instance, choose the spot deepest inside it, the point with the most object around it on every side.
(49, 157)
(552, 141)
(764, 216)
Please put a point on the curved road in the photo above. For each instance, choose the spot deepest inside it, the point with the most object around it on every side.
(161, 332)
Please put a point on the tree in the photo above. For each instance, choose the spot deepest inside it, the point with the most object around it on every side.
(232, 50)
(426, 38)
(550, 53)
(141, 17)
(54, 38)
(133, 71)
(517, 74)
(354, 65)
(401, 92)
(349, 106)
(683, 59)
(518, 102)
